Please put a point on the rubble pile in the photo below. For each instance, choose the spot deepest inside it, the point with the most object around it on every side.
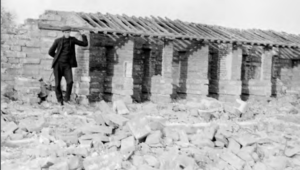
(208, 135)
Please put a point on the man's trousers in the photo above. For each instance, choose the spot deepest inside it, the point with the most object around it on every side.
(63, 70)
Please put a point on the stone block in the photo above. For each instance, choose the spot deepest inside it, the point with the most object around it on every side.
(219, 144)
(152, 161)
(9, 54)
(118, 119)
(104, 107)
(156, 98)
(277, 162)
(184, 161)
(32, 61)
(246, 140)
(69, 138)
(85, 79)
(233, 160)
(46, 64)
(5, 47)
(4, 59)
(96, 137)
(31, 49)
(221, 138)
(120, 107)
(97, 129)
(32, 125)
(137, 160)
(211, 131)
(98, 117)
(171, 134)
(83, 92)
(105, 161)
(13, 60)
(26, 82)
(63, 165)
(6, 77)
(16, 48)
(233, 146)
(84, 85)
(128, 145)
(21, 55)
(202, 142)
(6, 65)
(259, 166)
(183, 137)
(31, 70)
(52, 34)
(154, 138)
(9, 128)
(75, 163)
(292, 151)
(13, 71)
(246, 157)
(139, 127)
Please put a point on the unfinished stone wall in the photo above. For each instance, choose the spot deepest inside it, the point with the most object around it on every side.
(147, 63)
(225, 83)
(261, 85)
(282, 75)
(101, 47)
(295, 85)
(190, 72)
(118, 80)
(122, 68)
(162, 83)
(115, 67)
(25, 54)
(197, 72)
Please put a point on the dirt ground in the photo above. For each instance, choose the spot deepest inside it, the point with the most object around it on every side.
(206, 135)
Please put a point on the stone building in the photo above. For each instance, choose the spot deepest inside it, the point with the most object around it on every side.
(140, 59)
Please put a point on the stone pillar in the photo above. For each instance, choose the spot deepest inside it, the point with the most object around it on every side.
(161, 85)
(265, 85)
(230, 84)
(81, 77)
(120, 61)
(197, 72)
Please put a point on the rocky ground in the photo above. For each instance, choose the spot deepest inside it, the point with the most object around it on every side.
(207, 135)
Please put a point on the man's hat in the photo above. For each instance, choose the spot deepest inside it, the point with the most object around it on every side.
(66, 28)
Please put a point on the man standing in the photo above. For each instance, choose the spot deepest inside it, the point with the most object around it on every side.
(64, 59)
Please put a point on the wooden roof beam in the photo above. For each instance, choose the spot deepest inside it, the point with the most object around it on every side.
(145, 26)
(100, 22)
(117, 21)
(156, 26)
(176, 26)
(138, 25)
(163, 25)
(112, 24)
(191, 30)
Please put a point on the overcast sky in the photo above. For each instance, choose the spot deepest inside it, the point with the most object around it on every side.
(279, 15)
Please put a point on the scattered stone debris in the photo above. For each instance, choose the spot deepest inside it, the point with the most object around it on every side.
(207, 135)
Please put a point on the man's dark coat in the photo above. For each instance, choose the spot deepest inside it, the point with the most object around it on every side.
(56, 48)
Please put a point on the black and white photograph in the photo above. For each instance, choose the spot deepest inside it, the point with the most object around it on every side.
(150, 85)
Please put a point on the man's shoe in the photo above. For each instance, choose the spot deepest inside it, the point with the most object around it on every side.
(61, 102)
(69, 102)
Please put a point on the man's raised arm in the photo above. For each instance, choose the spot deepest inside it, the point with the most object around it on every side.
(84, 41)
